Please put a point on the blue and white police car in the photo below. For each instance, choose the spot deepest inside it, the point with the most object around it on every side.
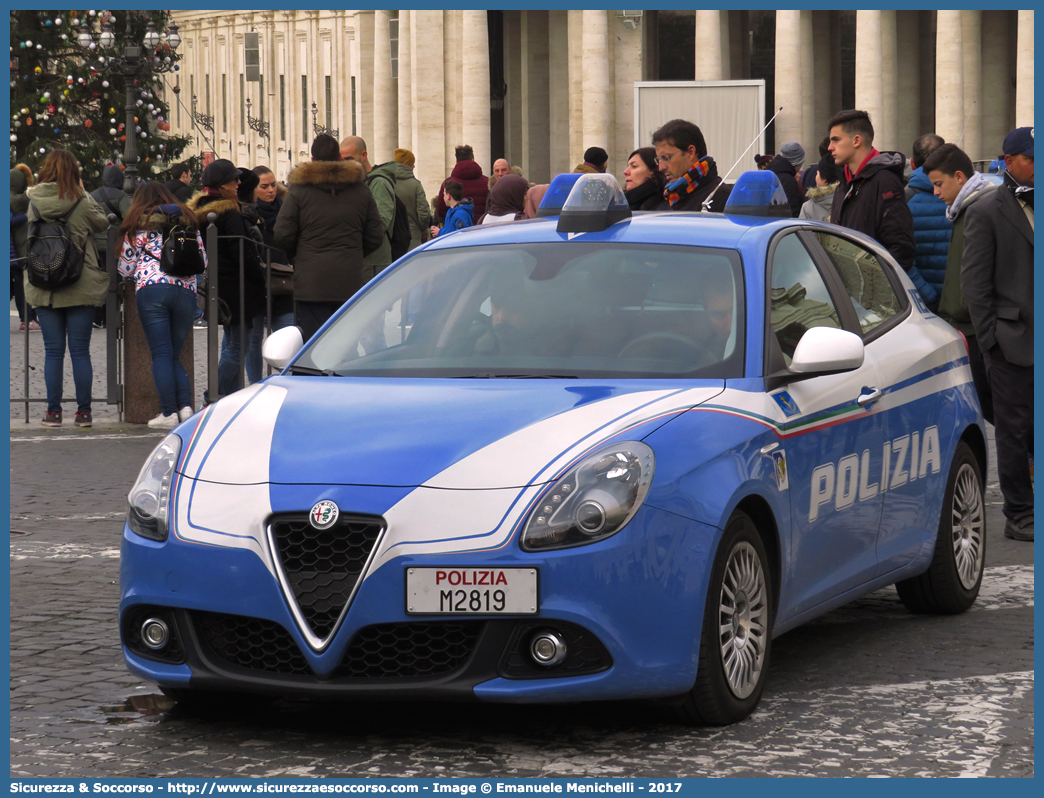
(593, 456)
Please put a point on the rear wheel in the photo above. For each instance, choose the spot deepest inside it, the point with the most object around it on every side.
(951, 583)
(737, 631)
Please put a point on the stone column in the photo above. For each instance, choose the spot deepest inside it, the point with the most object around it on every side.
(971, 37)
(476, 86)
(949, 75)
(789, 94)
(385, 103)
(405, 81)
(709, 60)
(908, 52)
(627, 68)
(996, 108)
(597, 99)
(536, 142)
(558, 85)
(823, 102)
(576, 87)
(1024, 71)
(887, 133)
(869, 88)
(513, 78)
(808, 87)
(453, 66)
(365, 82)
(429, 120)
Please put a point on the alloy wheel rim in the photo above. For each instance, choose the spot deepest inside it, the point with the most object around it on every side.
(966, 526)
(743, 620)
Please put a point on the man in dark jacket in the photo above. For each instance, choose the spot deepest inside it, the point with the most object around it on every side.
(180, 184)
(997, 280)
(932, 230)
(870, 197)
(328, 223)
(469, 175)
(785, 165)
(113, 200)
(691, 174)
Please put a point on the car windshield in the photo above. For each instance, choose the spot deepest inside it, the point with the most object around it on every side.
(567, 309)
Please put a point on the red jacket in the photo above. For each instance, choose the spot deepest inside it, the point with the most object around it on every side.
(476, 186)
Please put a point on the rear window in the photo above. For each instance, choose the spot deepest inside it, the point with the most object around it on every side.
(545, 310)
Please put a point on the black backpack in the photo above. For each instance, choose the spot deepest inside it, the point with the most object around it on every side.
(181, 255)
(52, 260)
(399, 236)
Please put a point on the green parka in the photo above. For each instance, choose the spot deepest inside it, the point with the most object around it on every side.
(84, 222)
(409, 189)
(381, 182)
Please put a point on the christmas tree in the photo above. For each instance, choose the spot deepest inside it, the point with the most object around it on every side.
(64, 95)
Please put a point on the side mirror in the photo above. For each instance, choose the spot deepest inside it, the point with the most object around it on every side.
(826, 350)
(282, 346)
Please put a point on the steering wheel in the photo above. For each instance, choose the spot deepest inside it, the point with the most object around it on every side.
(666, 346)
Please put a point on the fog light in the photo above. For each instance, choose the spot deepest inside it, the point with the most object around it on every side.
(547, 648)
(155, 634)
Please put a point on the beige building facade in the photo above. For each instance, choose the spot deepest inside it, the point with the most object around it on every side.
(539, 87)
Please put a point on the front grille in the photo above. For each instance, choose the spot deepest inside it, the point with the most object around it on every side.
(322, 566)
(402, 650)
(252, 643)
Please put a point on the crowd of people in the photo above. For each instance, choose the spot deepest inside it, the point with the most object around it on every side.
(965, 242)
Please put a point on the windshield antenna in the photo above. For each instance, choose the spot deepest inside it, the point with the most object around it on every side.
(707, 202)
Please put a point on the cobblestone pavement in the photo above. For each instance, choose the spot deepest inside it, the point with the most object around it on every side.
(868, 690)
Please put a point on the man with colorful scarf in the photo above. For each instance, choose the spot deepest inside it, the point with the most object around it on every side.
(691, 175)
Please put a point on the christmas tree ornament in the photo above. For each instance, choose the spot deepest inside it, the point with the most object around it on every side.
(105, 84)
(14, 137)
(112, 131)
(88, 124)
(58, 21)
(38, 70)
(29, 120)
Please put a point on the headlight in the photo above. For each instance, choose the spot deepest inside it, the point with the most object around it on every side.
(149, 499)
(593, 500)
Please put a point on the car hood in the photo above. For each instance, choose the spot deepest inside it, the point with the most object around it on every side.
(450, 434)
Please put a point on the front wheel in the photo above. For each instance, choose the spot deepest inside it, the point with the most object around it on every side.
(951, 583)
(737, 631)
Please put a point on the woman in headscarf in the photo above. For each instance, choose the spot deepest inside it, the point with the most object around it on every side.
(643, 180)
(507, 200)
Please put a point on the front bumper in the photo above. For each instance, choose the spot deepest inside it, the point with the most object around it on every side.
(630, 609)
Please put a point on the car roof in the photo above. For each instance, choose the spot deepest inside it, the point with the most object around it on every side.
(657, 227)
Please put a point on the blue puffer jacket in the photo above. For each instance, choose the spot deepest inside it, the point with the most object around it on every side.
(932, 229)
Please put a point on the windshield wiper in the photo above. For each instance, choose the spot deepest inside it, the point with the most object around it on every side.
(313, 372)
(490, 376)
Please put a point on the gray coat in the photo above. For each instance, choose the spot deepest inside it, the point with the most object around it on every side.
(997, 275)
(112, 199)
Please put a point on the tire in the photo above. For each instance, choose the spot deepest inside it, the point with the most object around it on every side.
(951, 583)
(737, 631)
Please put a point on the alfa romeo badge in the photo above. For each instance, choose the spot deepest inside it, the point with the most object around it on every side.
(324, 514)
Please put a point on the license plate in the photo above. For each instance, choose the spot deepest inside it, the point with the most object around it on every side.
(471, 591)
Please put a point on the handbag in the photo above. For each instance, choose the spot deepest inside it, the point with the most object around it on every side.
(281, 279)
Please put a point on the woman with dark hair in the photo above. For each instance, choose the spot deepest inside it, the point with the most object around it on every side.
(166, 304)
(643, 180)
(507, 200)
(67, 313)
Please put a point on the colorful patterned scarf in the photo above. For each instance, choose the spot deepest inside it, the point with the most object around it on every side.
(688, 182)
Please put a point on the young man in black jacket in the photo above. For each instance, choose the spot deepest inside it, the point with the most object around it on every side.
(870, 197)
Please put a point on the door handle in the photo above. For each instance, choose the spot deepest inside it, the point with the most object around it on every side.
(868, 397)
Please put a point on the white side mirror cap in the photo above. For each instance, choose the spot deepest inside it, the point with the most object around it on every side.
(282, 346)
(827, 350)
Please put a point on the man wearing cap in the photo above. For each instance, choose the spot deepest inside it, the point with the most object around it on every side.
(328, 223)
(997, 280)
(596, 158)
(409, 189)
(220, 196)
(691, 174)
(785, 166)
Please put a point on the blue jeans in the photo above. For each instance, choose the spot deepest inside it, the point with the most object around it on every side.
(230, 375)
(166, 312)
(57, 324)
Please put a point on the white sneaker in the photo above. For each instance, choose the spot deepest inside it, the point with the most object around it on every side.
(185, 413)
(164, 422)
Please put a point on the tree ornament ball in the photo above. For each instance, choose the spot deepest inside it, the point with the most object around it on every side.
(112, 131)
(27, 43)
(58, 21)
(25, 111)
(43, 150)
(47, 95)
(112, 110)
(113, 120)
(14, 138)
(123, 138)
(29, 120)
(91, 13)
(48, 23)
(38, 70)
(57, 131)
(88, 124)
(65, 93)
(105, 84)
(144, 135)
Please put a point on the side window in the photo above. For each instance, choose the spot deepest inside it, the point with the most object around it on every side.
(800, 299)
(872, 295)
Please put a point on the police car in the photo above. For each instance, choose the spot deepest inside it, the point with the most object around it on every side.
(591, 456)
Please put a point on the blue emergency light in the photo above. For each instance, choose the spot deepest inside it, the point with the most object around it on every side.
(595, 202)
(556, 194)
(758, 193)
